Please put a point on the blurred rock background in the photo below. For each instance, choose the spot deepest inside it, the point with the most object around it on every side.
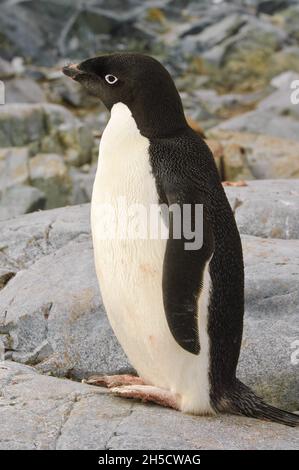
(233, 63)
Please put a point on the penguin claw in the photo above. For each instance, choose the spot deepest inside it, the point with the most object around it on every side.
(110, 381)
(148, 393)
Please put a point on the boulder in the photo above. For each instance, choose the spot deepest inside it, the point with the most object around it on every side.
(263, 121)
(234, 163)
(6, 69)
(267, 157)
(21, 199)
(48, 173)
(14, 166)
(267, 208)
(279, 102)
(52, 316)
(23, 90)
(41, 412)
(215, 33)
(46, 128)
(82, 184)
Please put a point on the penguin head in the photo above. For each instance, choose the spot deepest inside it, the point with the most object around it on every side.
(136, 80)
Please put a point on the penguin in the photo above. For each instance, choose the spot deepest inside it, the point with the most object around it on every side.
(177, 312)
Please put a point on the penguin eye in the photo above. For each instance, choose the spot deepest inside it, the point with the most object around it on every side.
(111, 79)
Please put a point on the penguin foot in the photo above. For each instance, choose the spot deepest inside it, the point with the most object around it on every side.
(110, 381)
(149, 393)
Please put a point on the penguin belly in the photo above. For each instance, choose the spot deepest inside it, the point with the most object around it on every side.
(130, 270)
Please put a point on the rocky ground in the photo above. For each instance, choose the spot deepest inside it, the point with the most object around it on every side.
(52, 318)
(233, 63)
(41, 412)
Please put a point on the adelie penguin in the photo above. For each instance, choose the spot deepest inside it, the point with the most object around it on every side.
(178, 313)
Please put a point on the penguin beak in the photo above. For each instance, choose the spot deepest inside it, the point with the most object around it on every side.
(72, 71)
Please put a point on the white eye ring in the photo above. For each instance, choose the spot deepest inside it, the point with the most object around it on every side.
(111, 79)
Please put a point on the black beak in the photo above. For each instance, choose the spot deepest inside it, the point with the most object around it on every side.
(72, 71)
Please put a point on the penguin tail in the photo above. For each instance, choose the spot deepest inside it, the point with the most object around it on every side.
(243, 401)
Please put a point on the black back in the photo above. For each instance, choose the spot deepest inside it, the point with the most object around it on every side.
(185, 171)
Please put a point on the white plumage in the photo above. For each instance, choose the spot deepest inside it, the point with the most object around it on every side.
(130, 272)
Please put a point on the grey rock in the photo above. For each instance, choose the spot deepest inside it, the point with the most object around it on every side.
(263, 121)
(40, 412)
(62, 90)
(21, 124)
(271, 328)
(6, 69)
(48, 173)
(267, 208)
(26, 239)
(269, 7)
(18, 200)
(60, 325)
(65, 314)
(47, 31)
(283, 80)
(267, 157)
(23, 90)
(82, 184)
(14, 166)
(46, 128)
(220, 31)
(279, 102)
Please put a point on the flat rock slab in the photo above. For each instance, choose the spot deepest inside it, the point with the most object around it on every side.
(52, 316)
(267, 208)
(42, 412)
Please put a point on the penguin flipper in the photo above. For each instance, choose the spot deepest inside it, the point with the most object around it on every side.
(183, 270)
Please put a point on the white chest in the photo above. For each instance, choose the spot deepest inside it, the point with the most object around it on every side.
(130, 270)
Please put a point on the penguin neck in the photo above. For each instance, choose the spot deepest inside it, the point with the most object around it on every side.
(159, 118)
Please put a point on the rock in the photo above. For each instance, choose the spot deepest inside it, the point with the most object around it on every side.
(65, 315)
(18, 200)
(46, 32)
(263, 122)
(61, 326)
(29, 29)
(234, 164)
(62, 90)
(46, 128)
(26, 239)
(267, 157)
(244, 60)
(279, 102)
(271, 320)
(215, 33)
(21, 124)
(290, 17)
(284, 80)
(229, 102)
(82, 184)
(78, 142)
(40, 412)
(269, 7)
(48, 173)
(6, 69)
(14, 166)
(23, 90)
(267, 208)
